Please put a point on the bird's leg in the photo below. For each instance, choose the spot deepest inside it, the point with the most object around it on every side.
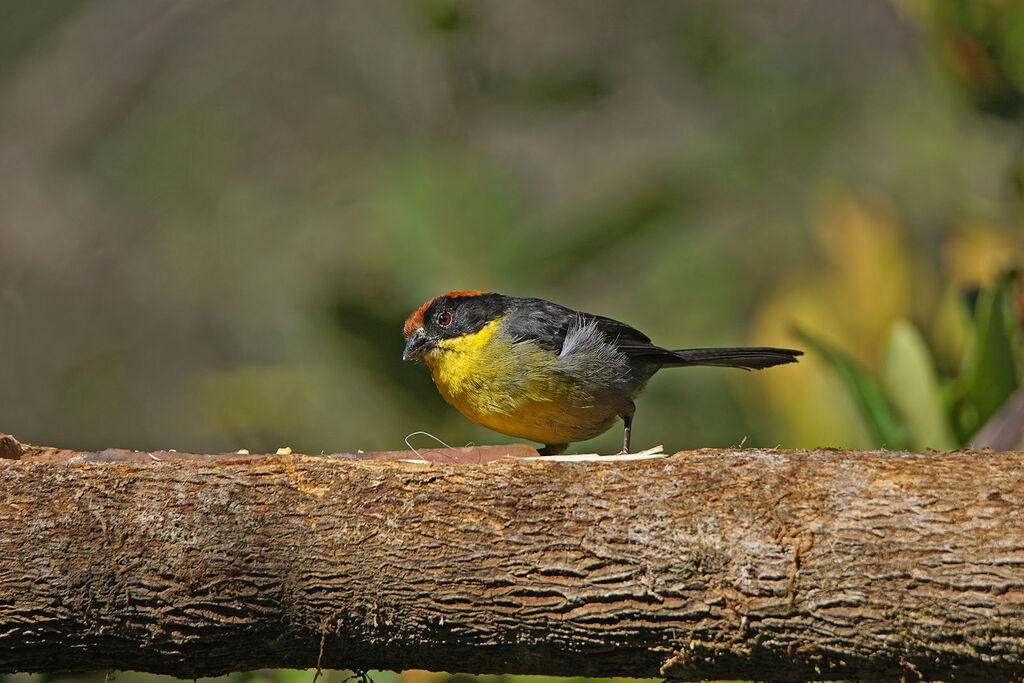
(627, 418)
(552, 448)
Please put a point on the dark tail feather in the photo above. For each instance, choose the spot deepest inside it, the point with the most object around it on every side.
(751, 357)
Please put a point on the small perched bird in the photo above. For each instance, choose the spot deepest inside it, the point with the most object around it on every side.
(536, 370)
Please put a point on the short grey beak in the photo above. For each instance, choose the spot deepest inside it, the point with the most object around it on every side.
(416, 345)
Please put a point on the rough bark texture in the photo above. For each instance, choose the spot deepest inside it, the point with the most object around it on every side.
(708, 564)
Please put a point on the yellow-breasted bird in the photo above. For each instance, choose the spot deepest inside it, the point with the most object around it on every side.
(536, 370)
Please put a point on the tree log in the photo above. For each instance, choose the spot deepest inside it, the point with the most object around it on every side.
(739, 563)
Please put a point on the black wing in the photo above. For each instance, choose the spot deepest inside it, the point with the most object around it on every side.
(547, 324)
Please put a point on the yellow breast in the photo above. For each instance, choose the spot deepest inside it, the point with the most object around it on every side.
(513, 388)
(457, 364)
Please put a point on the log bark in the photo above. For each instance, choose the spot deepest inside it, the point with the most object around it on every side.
(740, 563)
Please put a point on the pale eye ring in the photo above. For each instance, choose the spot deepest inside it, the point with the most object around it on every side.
(444, 318)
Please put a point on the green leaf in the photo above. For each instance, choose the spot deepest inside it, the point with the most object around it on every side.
(988, 374)
(910, 383)
(865, 391)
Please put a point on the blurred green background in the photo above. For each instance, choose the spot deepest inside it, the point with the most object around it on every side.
(214, 216)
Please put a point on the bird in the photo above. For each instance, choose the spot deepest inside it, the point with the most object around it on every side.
(537, 370)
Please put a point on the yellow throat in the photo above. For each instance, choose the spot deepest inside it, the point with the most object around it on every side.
(512, 388)
(458, 364)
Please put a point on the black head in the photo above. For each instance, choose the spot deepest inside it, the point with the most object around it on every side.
(448, 316)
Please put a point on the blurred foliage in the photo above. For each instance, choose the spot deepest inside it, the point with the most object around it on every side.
(980, 46)
(898, 359)
(210, 234)
(909, 407)
(219, 252)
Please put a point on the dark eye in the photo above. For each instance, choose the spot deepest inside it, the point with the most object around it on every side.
(444, 318)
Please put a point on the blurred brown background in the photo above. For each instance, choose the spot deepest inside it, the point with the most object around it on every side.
(214, 216)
